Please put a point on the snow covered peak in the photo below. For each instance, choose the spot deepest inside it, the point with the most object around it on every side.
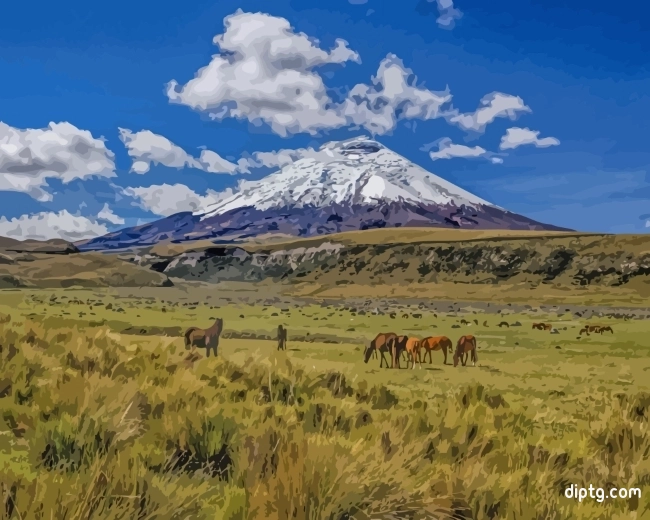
(358, 171)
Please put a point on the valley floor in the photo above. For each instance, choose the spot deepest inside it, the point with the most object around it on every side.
(101, 401)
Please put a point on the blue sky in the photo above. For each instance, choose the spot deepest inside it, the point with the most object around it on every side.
(582, 70)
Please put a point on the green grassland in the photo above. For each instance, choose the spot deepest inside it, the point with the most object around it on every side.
(105, 415)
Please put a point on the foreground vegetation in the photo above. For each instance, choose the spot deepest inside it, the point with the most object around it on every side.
(105, 415)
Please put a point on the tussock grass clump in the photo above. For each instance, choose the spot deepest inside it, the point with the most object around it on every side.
(94, 427)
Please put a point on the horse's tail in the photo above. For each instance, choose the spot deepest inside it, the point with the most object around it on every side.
(188, 332)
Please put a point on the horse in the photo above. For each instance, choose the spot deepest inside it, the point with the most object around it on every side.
(605, 329)
(282, 338)
(465, 345)
(594, 328)
(397, 345)
(433, 343)
(204, 338)
(539, 326)
(412, 349)
(380, 343)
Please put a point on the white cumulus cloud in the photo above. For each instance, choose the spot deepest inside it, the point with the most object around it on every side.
(516, 137)
(492, 106)
(265, 73)
(392, 95)
(145, 148)
(50, 225)
(31, 156)
(167, 199)
(107, 215)
(448, 13)
(449, 150)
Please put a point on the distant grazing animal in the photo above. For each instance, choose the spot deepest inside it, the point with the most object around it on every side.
(282, 338)
(476, 322)
(542, 326)
(504, 324)
(405, 315)
(464, 322)
(485, 323)
(465, 346)
(412, 350)
(433, 343)
(397, 345)
(605, 329)
(594, 328)
(584, 331)
(204, 338)
(379, 344)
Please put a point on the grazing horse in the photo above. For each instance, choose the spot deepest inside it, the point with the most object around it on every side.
(380, 343)
(204, 338)
(594, 328)
(397, 345)
(504, 324)
(282, 338)
(412, 350)
(605, 329)
(433, 343)
(543, 326)
(465, 345)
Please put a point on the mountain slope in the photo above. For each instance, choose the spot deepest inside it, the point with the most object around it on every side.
(344, 186)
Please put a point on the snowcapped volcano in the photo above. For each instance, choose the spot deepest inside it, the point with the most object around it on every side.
(354, 172)
(348, 185)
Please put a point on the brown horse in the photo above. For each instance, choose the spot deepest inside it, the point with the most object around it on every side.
(412, 350)
(282, 338)
(605, 329)
(593, 328)
(465, 345)
(543, 326)
(433, 343)
(397, 345)
(204, 338)
(379, 344)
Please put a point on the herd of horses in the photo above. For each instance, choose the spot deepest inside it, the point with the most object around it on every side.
(395, 346)
(385, 343)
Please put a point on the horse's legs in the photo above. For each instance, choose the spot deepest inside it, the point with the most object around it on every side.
(444, 351)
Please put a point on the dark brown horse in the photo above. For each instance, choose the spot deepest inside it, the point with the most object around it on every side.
(204, 338)
(433, 343)
(396, 346)
(282, 338)
(379, 344)
(542, 326)
(593, 328)
(465, 345)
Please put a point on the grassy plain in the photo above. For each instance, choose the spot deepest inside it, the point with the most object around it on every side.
(105, 415)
